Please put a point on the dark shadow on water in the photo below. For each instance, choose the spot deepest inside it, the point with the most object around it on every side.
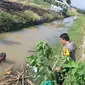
(8, 42)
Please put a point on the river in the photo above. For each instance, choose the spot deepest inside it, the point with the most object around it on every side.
(17, 44)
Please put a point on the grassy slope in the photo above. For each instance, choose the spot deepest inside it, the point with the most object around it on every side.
(42, 3)
(76, 34)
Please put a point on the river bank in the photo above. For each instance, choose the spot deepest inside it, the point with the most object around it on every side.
(76, 33)
(16, 16)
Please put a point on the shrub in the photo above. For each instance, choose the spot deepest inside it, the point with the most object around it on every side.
(76, 74)
(31, 16)
(42, 3)
(38, 1)
(48, 16)
(71, 13)
(46, 61)
(81, 11)
(6, 21)
(43, 61)
(9, 22)
(16, 21)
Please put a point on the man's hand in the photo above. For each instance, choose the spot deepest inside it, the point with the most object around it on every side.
(58, 69)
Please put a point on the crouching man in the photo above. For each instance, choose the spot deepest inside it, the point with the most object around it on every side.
(69, 49)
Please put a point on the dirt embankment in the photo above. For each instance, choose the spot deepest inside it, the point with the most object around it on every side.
(19, 15)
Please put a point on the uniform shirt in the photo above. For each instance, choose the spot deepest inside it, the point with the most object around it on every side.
(71, 46)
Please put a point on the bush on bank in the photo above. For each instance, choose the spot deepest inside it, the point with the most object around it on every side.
(18, 20)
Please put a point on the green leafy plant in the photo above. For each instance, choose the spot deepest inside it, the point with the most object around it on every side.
(43, 61)
(46, 62)
(31, 16)
(9, 22)
(6, 21)
(76, 74)
(81, 11)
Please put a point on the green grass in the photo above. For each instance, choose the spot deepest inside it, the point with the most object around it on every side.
(45, 5)
(71, 13)
(81, 11)
(77, 29)
(42, 3)
(76, 33)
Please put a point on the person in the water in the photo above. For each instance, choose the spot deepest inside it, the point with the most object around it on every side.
(2, 56)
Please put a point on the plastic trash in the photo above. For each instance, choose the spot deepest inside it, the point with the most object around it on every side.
(35, 69)
(48, 83)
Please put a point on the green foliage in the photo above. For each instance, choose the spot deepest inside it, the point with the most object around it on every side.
(46, 61)
(38, 1)
(43, 61)
(81, 11)
(48, 16)
(42, 3)
(16, 20)
(7, 22)
(76, 33)
(76, 74)
(71, 13)
(49, 1)
(10, 22)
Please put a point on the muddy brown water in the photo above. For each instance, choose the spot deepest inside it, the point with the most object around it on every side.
(17, 44)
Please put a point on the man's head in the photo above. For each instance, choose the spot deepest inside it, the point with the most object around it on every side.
(64, 38)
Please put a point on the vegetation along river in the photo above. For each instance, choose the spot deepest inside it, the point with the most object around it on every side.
(17, 44)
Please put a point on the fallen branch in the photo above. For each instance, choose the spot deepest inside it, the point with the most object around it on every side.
(29, 82)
